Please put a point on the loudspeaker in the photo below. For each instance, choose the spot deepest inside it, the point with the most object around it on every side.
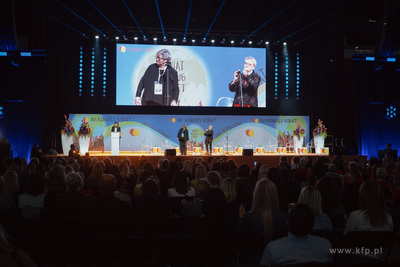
(170, 152)
(247, 152)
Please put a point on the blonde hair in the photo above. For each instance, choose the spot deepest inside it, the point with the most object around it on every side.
(201, 172)
(312, 198)
(265, 200)
(11, 182)
(187, 167)
(123, 169)
(97, 173)
(229, 189)
(263, 172)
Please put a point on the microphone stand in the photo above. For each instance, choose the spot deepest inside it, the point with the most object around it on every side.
(241, 90)
(167, 85)
(227, 143)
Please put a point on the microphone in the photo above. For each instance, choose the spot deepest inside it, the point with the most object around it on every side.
(238, 72)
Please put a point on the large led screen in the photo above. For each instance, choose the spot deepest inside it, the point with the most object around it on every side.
(198, 76)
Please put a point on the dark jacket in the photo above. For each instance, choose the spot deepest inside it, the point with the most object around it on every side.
(209, 135)
(183, 135)
(147, 84)
(250, 85)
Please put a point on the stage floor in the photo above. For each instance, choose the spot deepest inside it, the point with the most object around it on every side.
(271, 159)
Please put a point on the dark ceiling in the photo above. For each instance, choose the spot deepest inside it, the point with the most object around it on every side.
(361, 23)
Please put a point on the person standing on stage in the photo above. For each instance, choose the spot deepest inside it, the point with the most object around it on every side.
(245, 85)
(159, 82)
(183, 137)
(116, 129)
(209, 133)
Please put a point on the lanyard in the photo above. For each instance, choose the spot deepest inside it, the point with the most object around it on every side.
(159, 74)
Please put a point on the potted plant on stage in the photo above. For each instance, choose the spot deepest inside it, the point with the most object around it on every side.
(67, 135)
(84, 134)
(320, 133)
(298, 137)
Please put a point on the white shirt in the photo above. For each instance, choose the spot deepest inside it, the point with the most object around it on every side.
(357, 222)
(172, 193)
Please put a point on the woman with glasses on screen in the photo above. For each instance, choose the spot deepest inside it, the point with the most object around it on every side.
(159, 83)
(245, 85)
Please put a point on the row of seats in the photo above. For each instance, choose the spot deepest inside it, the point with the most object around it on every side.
(175, 241)
(166, 250)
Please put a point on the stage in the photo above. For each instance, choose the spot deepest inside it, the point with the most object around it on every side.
(270, 159)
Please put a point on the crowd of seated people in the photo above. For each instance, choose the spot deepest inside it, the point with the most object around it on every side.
(359, 196)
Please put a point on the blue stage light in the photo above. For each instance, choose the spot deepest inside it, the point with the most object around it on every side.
(391, 112)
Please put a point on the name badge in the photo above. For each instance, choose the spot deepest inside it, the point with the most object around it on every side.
(158, 88)
(182, 135)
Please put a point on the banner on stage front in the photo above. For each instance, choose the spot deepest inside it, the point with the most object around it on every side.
(146, 132)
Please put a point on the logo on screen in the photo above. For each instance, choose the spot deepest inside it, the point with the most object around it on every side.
(122, 49)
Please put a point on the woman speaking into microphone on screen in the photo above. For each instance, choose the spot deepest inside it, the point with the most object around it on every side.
(245, 85)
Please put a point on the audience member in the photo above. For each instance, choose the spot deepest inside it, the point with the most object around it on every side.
(372, 215)
(214, 203)
(331, 201)
(214, 178)
(180, 187)
(193, 208)
(7, 202)
(31, 202)
(299, 246)
(312, 198)
(151, 203)
(106, 206)
(71, 202)
(264, 218)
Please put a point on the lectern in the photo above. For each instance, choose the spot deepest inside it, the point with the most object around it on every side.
(115, 143)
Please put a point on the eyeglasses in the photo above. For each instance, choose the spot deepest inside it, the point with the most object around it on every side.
(248, 64)
(160, 58)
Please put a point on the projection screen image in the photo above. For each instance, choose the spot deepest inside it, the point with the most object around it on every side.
(190, 76)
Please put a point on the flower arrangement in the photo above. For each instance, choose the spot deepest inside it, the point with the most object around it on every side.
(299, 131)
(320, 129)
(84, 129)
(68, 129)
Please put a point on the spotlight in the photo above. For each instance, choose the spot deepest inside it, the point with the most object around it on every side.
(232, 41)
(184, 40)
(193, 40)
(97, 37)
(145, 38)
(284, 43)
(391, 111)
(174, 39)
(204, 40)
(266, 42)
(250, 42)
(135, 38)
(222, 40)
(117, 38)
(155, 39)
(165, 39)
(212, 41)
